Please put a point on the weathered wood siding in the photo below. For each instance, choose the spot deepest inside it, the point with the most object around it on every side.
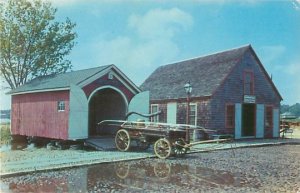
(211, 112)
(231, 91)
(203, 111)
(36, 114)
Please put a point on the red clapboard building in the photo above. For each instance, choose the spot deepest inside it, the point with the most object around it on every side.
(68, 106)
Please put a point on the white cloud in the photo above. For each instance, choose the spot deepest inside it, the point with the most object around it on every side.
(62, 3)
(288, 73)
(282, 73)
(122, 50)
(291, 73)
(136, 60)
(160, 23)
(292, 69)
(296, 4)
(4, 99)
(151, 45)
(271, 53)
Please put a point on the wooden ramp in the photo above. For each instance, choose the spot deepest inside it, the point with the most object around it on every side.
(101, 143)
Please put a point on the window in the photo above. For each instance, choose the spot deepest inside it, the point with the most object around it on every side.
(193, 114)
(61, 105)
(154, 109)
(110, 76)
(269, 117)
(248, 83)
(230, 116)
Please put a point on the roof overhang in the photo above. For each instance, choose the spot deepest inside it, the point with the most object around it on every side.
(266, 74)
(41, 90)
(181, 100)
(117, 73)
(120, 76)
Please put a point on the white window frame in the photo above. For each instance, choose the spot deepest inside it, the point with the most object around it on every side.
(110, 76)
(155, 118)
(61, 106)
(193, 104)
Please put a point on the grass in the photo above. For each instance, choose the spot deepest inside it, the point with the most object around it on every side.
(5, 133)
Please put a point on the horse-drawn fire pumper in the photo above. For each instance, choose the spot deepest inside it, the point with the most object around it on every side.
(168, 139)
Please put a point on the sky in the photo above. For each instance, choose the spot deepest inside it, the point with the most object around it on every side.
(139, 36)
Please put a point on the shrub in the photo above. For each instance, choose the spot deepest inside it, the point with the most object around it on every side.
(5, 133)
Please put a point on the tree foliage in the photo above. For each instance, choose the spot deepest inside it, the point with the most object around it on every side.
(284, 108)
(31, 43)
(294, 109)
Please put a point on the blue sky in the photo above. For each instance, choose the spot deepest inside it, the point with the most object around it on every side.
(139, 36)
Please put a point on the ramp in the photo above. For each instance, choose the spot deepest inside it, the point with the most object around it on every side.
(101, 143)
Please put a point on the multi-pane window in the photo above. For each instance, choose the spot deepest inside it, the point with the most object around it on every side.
(269, 117)
(61, 106)
(230, 116)
(248, 83)
(154, 109)
(193, 114)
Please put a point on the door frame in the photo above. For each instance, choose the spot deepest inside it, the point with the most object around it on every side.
(254, 121)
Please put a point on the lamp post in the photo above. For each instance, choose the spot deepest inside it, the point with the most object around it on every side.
(188, 89)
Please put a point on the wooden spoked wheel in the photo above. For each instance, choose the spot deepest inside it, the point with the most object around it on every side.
(162, 148)
(179, 149)
(122, 140)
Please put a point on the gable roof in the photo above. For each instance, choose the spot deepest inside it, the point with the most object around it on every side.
(265, 73)
(65, 80)
(205, 74)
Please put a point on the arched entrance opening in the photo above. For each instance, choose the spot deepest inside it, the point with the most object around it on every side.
(105, 104)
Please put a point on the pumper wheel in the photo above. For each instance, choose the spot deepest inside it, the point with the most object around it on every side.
(179, 149)
(162, 148)
(122, 140)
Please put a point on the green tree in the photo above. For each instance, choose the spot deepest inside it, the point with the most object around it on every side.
(31, 43)
(295, 109)
(284, 108)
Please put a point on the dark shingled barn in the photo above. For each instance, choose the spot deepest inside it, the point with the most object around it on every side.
(232, 93)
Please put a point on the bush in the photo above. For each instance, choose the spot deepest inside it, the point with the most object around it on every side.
(5, 133)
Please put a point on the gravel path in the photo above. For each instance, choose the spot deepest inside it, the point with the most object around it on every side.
(264, 169)
(18, 161)
(31, 160)
(260, 169)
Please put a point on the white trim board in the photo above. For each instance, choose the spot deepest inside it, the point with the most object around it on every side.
(42, 90)
(172, 112)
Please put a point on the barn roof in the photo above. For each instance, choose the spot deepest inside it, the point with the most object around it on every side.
(205, 74)
(63, 81)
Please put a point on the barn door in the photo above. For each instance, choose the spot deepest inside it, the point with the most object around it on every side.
(276, 122)
(78, 115)
(238, 121)
(260, 117)
(140, 104)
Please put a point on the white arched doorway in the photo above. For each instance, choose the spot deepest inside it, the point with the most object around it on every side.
(106, 103)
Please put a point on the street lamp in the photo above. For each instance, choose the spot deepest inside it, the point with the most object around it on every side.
(188, 89)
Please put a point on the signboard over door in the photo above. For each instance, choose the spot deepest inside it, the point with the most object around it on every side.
(249, 99)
